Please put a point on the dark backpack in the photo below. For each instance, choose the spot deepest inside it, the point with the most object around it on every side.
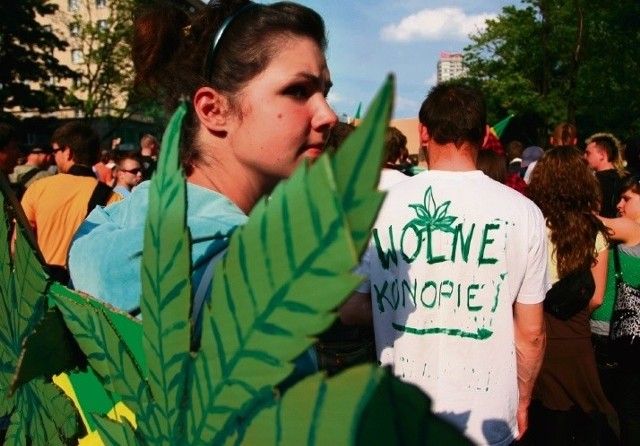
(21, 185)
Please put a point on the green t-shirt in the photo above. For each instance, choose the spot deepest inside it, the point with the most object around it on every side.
(630, 264)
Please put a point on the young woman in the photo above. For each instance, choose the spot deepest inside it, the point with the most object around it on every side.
(621, 376)
(568, 388)
(256, 81)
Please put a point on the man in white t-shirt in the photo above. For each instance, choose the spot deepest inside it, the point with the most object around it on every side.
(456, 273)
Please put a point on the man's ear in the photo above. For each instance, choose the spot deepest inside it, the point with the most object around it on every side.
(212, 108)
(424, 134)
(68, 154)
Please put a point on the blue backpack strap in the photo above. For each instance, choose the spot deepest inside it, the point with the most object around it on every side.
(201, 292)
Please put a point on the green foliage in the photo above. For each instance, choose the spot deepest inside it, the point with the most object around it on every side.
(39, 412)
(561, 61)
(27, 55)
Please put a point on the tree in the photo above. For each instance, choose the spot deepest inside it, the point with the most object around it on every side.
(29, 68)
(101, 49)
(608, 93)
(561, 60)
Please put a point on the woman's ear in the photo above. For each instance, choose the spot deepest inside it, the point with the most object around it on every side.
(212, 108)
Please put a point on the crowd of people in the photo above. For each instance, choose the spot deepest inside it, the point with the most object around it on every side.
(462, 255)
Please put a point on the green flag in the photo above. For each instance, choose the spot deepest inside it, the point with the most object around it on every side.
(357, 115)
(498, 128)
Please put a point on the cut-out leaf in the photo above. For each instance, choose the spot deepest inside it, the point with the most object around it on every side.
(311, 229)
(166, 286)
(39, 412)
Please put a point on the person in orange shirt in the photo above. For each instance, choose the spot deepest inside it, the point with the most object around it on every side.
(56, 206)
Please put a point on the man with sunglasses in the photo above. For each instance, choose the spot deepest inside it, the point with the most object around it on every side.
(55, 206)
(128, 175)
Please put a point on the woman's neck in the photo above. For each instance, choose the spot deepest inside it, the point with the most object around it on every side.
(238, 187)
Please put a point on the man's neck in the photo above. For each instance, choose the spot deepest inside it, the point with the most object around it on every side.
(451, 158)
(605, 166)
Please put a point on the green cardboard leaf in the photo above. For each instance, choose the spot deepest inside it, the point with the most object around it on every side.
(113, 433)
(357, 164)
(265, 309)
(166, 285)
(107, 354)
(253, 309)
(43, 415)
(411, 421)
(40, 413)
(317, 411)
(49, 350)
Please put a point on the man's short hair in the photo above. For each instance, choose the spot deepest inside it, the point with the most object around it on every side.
(8, 133)
(455, 114)
(83, 141)
(126, 156)
(607, 143)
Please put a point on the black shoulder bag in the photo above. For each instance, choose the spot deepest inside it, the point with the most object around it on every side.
(569, 295)
(624, 336)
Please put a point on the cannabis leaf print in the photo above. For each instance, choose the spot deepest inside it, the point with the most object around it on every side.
(430, 216)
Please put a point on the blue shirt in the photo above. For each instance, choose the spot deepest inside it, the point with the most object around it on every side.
(106, 251)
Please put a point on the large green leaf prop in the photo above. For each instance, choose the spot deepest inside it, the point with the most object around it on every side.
(38, 411)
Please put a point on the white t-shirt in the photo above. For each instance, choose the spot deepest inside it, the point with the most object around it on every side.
(390, 177)
(449, 255)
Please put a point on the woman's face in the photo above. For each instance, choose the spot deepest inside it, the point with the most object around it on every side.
(284, 115)
(629, 205)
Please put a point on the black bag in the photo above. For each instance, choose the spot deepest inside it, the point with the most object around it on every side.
(624, 336)
(570, 294)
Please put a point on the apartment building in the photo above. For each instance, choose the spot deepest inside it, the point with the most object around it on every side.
(450, 66)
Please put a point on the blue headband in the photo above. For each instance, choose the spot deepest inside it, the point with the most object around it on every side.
(218, 35)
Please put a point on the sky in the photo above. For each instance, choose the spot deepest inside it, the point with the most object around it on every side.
(368, 39)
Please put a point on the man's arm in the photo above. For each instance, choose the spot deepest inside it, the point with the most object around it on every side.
(356, 310)
(530, 341)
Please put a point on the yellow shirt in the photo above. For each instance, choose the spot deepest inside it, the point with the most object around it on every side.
(55, 207)
(600, 245)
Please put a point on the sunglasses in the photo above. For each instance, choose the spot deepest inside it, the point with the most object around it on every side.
(57, 149)
(135, 171)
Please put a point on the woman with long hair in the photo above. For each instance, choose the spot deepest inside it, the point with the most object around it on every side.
(568, 389)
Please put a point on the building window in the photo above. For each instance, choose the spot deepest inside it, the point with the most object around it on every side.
(103, 25)
(74, 29)
(76, 56)
(101, 3)
(73, 5)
